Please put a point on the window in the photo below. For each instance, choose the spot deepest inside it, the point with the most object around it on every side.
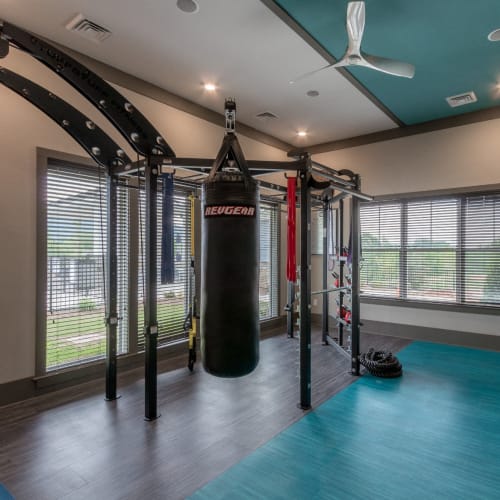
(269, 261)
(173, 299)
(442, 249)
(481, 249)
(381, 241)
(76, 244)
(72, 308)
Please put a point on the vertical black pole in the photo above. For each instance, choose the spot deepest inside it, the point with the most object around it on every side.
(112, 287)
(340, 241)
(355, 291)
(150, 320)
(305, 288)
(291, 305)
(326, 296)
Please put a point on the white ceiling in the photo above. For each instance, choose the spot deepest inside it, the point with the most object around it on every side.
(239, 44)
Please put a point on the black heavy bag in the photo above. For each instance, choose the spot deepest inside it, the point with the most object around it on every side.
(230, 274)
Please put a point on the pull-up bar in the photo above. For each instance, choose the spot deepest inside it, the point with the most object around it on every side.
(329, 290)
(334, 182)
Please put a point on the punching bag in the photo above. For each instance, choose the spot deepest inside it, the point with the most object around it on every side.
(229, 315)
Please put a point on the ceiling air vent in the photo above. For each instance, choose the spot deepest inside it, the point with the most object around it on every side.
(88, 29)
(266, 115)
(461, 99)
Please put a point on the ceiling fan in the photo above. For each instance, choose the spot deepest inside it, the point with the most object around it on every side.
(354, 56)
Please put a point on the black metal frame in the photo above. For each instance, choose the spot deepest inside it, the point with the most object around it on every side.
(150, 306)
(351, 351)
(146, 141)
(325, 311)
(112, 281)
(305, 288)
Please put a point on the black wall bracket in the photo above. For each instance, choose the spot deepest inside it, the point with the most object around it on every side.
(93, 139)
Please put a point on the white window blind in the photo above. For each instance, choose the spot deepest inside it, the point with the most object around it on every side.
(481, 252)
(269, 263)
(76, 245)
(431, 250)
(381, 243)
(448, 249)
(172, 299)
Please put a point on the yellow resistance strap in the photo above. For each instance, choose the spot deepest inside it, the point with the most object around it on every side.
(192, 331)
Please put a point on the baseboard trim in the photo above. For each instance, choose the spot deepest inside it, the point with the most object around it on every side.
(19, 390)
(273, 327)
(442, 336)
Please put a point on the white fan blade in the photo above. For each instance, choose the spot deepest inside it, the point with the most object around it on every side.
(308, 74)
(355, 25)
(390, 66)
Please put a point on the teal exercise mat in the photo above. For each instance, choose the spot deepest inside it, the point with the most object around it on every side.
(4, 494)
(433, 433)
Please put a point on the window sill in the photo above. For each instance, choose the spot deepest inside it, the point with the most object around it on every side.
(437, 306)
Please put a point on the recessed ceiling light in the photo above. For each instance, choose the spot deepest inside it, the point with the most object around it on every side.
(312, 93)
(301, 133)
(210, 87)
(188, 6)
(494, 36)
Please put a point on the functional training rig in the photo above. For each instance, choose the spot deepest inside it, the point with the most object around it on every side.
(346, 285)
(339, 185)
(155, 153)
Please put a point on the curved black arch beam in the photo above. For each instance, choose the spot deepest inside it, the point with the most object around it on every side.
(131, 123)
(92, 138)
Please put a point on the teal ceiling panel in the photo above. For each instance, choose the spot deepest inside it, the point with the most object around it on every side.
(446, 40)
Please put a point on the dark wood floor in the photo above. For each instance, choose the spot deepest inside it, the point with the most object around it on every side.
(72, 444)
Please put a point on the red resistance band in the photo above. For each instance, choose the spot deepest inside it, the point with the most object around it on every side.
(291, 262)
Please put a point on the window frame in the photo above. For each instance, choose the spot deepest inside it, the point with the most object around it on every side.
(459, 305)
(275, 261)
(46, 157)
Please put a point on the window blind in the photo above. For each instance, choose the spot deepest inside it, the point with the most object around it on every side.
(172, 299)
(76, 245)
(481, 249)
(269, 261)
(381, 249)
(448, 249)
(431, 249)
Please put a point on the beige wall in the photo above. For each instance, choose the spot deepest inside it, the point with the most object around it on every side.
(22, 130)
(458, 157)
(455, 158)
